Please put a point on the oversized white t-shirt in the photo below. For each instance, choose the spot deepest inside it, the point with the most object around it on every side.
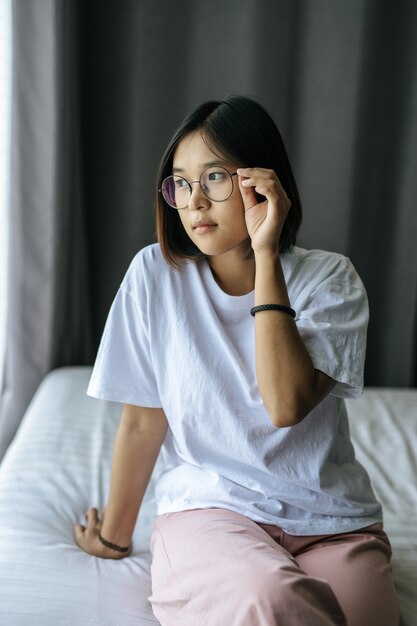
(174, 339)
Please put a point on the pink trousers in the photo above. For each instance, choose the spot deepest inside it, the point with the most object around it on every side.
(215, 567)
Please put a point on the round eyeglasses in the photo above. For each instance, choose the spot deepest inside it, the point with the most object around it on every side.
(216, 183)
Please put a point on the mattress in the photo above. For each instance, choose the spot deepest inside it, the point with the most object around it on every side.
(59, 464)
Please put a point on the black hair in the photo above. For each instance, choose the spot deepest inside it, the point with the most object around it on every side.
(244, 133)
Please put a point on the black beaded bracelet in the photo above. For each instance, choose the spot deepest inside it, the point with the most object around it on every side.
(112, 546)
(273, 307)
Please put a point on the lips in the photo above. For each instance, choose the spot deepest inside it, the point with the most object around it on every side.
(202, 228)
(198, 224)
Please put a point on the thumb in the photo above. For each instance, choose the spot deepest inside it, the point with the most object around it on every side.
(248, 195)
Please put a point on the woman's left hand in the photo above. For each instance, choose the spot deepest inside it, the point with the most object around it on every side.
(264, 220)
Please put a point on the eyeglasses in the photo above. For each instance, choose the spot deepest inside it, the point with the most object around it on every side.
(216, 183)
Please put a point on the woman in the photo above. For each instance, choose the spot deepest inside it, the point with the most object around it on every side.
(233, 349)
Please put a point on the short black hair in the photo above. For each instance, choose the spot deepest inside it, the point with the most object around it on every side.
(243, 131)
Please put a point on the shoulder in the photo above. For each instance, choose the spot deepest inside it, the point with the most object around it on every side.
(147, 258)
(149, 273)
(148, 261)
(145, 268)
(315, 267)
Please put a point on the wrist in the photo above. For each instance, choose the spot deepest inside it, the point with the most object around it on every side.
(113, 534)
(114, 547)
(270, 286)
(107, 553)
(268, 254)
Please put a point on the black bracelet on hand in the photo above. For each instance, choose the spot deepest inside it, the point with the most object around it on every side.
(273, 307)
(112, 546)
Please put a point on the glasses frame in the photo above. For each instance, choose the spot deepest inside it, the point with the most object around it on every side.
(192, 182)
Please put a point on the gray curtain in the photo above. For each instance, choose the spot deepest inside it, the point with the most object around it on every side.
(49, 310)
(99, 88)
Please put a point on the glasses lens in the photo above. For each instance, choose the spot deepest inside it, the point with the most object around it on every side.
(176, 191)
(216, 183)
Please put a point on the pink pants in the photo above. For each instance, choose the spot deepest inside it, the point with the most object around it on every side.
(214, 567)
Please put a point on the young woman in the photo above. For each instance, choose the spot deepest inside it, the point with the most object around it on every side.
(233, 350)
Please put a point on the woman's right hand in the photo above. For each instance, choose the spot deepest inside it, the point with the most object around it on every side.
(87, 537)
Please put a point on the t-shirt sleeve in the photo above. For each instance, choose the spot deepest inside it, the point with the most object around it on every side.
(333, 324)
(123, 370)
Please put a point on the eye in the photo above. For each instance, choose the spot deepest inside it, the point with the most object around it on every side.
(180, 183)
(216, 175)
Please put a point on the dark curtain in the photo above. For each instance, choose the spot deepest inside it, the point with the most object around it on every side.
(98, 89)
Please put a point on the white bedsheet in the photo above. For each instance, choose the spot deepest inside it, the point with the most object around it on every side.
(59, 464)
(383, 425)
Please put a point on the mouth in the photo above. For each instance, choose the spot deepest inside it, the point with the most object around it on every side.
(204, 228)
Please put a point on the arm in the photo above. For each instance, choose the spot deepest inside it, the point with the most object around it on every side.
(288, 383)
(138, 441)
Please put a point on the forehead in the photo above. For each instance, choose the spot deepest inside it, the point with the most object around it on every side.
(192, 152)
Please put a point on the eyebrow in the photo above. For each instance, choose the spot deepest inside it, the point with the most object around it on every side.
(203, 165)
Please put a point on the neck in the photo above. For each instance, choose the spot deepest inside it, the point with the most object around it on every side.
(235, 276)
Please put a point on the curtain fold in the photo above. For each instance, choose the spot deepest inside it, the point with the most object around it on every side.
(383, 212)
(98, 89)
(48, 304)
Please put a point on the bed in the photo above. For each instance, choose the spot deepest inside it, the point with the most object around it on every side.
(59, 464)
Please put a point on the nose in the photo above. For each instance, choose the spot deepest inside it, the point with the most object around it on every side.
(198, 200)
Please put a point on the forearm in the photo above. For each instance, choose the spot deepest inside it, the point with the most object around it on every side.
(134, 456)
(284, 369)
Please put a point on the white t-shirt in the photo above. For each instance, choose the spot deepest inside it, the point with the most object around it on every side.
(174, 339)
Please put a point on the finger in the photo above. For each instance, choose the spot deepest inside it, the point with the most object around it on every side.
(273, 192)
(264, 186)
(262, 178)
(252, 181)
(79, 531)
(91, 516)
(79, 528)
(248, 196)
(255, 175)
(256, 171)
(264, 182)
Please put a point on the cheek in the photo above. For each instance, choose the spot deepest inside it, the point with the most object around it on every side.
(182, 221)
(238, 214)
